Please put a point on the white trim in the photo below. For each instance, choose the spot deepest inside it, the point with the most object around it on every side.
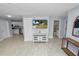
(50, 37)
(1, 39)
(59, 26)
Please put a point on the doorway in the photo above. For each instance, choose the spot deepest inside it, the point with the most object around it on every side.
(17, 27)
(56, 29)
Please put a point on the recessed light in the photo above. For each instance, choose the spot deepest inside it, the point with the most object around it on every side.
(9, 16)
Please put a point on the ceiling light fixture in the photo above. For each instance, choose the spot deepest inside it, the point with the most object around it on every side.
(9, 15)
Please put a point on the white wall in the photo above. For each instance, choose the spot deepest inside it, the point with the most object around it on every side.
(17, 23)
(63, 28)
(27, 25)
(71, 18)
(10, 28)
(50, 27)
(4, 29)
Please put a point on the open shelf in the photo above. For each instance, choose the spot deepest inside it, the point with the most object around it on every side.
(66, 41)
(73, 42)
(68, 52)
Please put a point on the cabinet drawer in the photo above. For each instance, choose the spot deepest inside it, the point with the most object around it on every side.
(41, 38)
(35, 37)
(44, 37)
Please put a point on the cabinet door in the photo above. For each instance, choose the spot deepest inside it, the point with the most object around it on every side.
(44, 38)
(35, 38)
(40, 38)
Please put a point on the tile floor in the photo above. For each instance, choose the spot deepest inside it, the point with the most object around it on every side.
(15, 46)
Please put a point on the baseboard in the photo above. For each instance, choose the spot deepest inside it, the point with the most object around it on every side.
(1, 39)
(4, 38)
(50, 37)
(28, 40)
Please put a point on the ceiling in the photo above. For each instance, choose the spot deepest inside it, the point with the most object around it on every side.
(18, 10)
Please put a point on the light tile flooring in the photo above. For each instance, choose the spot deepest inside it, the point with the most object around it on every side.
(15, 46)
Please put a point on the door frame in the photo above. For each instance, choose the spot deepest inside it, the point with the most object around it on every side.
(59, 28)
